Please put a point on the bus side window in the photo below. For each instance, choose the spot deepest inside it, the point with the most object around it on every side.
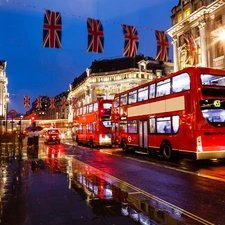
(167, 128)
(152, 91)
(176, 123)
(152, 125)
(142, 94)
(123, 127)
(164, 125)
(132, 126)
(181, 83)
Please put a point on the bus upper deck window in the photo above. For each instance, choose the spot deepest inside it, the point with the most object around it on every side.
(116, 102)
(163, 88)
(132, 97)
(123, 99)
(152, 91)
(212, 80)
(143, 94)
(180, 83)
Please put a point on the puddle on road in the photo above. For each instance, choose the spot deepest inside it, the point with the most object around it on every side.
(109, 197)
(106, 195)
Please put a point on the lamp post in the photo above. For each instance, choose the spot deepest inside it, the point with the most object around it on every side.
(21, 117)
(6, 115)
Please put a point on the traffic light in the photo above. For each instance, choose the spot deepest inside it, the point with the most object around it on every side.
(33, 121)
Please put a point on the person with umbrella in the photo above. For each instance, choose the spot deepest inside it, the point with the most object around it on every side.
(36, 136)
(30, 138)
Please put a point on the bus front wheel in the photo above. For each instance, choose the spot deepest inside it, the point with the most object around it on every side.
(124, 145)
(166, 150)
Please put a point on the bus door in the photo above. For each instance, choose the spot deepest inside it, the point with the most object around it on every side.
(84, 133)
(143, 134)
(115, 131)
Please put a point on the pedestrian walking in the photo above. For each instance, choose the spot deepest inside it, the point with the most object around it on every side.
(30, 139)
(20, 139)
(36, 137)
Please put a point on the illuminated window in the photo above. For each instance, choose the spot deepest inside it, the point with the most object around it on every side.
(132, 97)
(152, 125)
(163, 125)
(143, 94)
(90, 108)
(179, 17)
(123, 99)
(132, 126)
(186, 12)
(84, 110)
(181, 83)
(152, 91)
(95, 107)
(116, 102)
(163, 88)
(123, 127)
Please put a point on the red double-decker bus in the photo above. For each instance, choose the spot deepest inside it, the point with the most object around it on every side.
(181, 114)
(92, 123)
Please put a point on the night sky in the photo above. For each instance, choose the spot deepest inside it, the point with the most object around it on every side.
(34, 71)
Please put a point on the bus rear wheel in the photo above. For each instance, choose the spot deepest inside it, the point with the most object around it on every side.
(124, 145)
(166, 150)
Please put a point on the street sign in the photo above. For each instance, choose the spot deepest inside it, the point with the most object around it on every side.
(12, 112)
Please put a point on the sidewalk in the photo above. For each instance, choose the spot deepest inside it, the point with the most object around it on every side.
(37, 192)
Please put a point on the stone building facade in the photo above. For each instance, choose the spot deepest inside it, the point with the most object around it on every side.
(4, 95)
(107, 77)
(204, 20)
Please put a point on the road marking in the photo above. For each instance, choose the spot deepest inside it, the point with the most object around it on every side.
(138, 190)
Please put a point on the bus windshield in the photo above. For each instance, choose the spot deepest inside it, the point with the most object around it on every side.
(214, 112)
(106, 120)
(107, 108)
(212, 80)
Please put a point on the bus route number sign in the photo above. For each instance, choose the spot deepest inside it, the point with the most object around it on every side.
(216, 103)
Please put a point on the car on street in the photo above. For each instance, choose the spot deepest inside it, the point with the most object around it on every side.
(52, 136)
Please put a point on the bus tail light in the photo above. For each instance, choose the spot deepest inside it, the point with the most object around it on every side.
(199, 143)
(183, 118)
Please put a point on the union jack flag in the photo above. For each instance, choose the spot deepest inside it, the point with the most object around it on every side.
(131, 41)
(63, 101)
(52, 103)
(162, 46)
(191, 48)
(26, 101)
(95, 36)
(52, 29)
(39, 105)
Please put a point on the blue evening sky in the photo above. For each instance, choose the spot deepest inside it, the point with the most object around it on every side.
(34, 71)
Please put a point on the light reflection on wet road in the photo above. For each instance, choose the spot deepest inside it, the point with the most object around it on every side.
(104, 192)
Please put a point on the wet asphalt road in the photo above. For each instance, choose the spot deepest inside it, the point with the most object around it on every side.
(202, 193)
(198, 194)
